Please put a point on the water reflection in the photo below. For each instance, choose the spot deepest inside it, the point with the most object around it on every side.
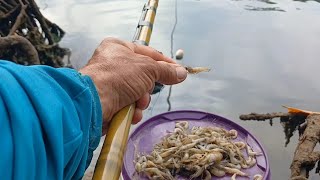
(254, 66)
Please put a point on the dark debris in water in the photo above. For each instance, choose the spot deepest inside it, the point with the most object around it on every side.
(292, 123)
(289, 122)
(307, 0)
(308, 124)
(267, 1)
(271, 2)
(252, 8)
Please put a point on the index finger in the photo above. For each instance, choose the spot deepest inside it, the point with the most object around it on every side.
(149, 51)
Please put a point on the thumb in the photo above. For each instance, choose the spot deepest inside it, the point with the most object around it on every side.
(169, 73)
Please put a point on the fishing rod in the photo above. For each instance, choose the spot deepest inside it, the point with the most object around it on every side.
(110, 160)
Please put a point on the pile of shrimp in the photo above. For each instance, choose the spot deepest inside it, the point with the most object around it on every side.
(199, 152)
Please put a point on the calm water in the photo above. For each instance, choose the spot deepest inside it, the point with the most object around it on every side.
(263, 55)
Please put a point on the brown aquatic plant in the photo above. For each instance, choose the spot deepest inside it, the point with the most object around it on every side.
(27, 37)
(308, 124)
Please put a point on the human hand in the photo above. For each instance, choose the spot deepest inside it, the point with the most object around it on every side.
(125, 73)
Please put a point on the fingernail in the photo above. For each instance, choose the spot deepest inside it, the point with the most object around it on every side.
(181, 72)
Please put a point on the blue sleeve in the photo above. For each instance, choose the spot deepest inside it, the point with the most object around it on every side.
(50, 122)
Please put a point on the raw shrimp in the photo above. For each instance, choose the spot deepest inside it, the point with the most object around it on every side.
(196, 70)
(200, 152)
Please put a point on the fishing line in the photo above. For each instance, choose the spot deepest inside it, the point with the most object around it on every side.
(172, 56)
(154, 104)
(174, 26)
(171, 47)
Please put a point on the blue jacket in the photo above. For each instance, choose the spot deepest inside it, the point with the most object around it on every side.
(50, 122)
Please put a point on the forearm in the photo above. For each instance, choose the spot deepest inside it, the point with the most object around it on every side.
(51, 122)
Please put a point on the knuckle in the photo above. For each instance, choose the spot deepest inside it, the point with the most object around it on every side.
(155, 54)
(156, 51)
(110, 40)
(168, 72)
(151, 69)
(133, 47)
(146, 59)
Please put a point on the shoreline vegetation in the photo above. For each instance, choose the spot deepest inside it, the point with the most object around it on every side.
(29, 38)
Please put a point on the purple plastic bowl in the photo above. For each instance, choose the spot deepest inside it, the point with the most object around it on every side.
(151, 131)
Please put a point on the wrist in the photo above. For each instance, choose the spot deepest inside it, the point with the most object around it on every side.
(104, 91)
